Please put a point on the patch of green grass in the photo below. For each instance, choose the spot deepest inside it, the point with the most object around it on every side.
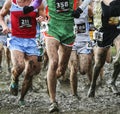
(113, 51)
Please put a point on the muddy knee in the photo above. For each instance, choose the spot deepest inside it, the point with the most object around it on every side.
(85, 67)
(60, 72)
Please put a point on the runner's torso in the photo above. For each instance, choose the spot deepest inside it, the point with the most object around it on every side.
(81, 23)
(22, 25)
(60, 9)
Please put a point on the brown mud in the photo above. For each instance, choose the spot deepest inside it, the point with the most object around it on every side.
(37, 100)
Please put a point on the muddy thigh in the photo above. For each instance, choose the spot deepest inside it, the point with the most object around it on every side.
(64, 55)
(85, 62)
(32, 66)
(17, 59)
(73, 62)
(1, 46)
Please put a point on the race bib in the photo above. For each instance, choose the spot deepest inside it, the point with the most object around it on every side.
(81, 28)
(98, 36)
(89, 45)
(43, 26)
(25, 22)
(62, 5)
(91, 24)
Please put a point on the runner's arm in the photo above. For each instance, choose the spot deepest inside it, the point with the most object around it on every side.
(113, 9)
(76, 13)
(84, 4)
(41, 13)
(3, 12)
(34, 5)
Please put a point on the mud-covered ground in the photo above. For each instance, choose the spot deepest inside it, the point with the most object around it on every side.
(37, 100)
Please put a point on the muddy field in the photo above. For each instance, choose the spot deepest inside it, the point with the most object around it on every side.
(37, 100)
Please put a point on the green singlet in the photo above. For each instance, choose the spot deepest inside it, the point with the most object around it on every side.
(61, 22)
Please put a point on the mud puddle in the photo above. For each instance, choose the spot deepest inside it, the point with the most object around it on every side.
(37, 100)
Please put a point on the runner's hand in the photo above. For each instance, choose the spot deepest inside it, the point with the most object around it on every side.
(6, 30)
(40, 19)
(76, 13)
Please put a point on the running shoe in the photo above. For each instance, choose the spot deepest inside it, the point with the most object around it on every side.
(75, 97)
(9, 69)
(54, 107)
(14, 87)
(21, 103)
(114, 88)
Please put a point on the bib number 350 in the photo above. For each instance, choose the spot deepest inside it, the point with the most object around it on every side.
(62, 5)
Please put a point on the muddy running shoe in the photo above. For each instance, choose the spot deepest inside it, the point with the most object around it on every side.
(14, 87)
(9, 69)
(114, 89)
(21, 103)
(75, 97)
(54, 107)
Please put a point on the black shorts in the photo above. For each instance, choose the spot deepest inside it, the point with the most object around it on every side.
(108, 37)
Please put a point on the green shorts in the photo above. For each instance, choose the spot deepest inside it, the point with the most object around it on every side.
(63, 31)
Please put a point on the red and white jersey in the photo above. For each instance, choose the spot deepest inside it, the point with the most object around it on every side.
(22, 25)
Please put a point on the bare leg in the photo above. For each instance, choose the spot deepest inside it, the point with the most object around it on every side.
(100, 57)
(109, 57)
(64, 55)
(1, 48)
(45, 58)
(73, 67)
(114, 78)
(116, 66)
(101, 74)
(32, 67)
(17, 58)
(86, 65)
(8, 59)
(108, 60)
(52, 47)
(58, 60)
